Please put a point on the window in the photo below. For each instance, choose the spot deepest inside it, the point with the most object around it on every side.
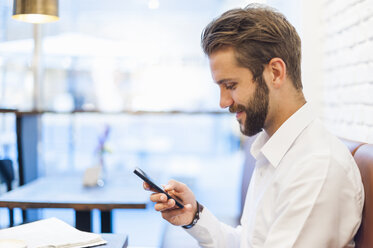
(143, 73)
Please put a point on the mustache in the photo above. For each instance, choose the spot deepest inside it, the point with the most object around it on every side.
(236, 108)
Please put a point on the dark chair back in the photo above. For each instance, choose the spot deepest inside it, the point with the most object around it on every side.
(7, 176)
(364, 159)
(352, 145)
(6, 172)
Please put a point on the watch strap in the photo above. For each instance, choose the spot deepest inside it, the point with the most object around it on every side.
(196, 217)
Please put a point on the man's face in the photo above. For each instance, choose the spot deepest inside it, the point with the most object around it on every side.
(238, 91)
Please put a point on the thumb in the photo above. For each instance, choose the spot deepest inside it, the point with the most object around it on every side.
(176, 186)
(188, 208)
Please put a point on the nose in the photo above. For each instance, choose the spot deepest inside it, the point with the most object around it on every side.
(225, 98)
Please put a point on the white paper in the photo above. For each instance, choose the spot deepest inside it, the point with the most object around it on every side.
(51, 232)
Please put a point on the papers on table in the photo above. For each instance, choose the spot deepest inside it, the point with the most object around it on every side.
(51, 232)
(12, 243)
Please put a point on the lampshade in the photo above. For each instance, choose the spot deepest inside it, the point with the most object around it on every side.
(35, 11)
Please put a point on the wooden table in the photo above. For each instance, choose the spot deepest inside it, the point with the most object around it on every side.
(68, 192)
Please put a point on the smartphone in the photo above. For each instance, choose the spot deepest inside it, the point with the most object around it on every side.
(146, 178)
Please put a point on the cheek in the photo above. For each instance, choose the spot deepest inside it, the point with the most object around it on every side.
(241, 98)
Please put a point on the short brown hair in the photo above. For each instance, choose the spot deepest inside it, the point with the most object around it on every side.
(257, 34)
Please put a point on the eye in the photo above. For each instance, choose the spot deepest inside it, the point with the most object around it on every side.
(230, 86)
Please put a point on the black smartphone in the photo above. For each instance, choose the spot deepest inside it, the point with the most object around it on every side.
(146, 178)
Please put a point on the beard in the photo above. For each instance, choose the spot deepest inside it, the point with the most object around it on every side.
(256, 109)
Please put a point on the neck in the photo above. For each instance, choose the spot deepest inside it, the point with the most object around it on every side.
(282, 113)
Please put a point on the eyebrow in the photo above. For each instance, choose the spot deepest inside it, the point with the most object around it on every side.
(225, 81)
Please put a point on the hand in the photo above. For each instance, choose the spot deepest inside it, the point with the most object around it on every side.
(171, 213)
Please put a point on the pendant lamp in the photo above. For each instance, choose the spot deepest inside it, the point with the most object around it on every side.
(35, 11)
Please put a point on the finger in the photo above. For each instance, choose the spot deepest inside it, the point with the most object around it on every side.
(158, 197)
(175, 185)
(169, 213)
(175, 195)
(148, 187)
(168, 205)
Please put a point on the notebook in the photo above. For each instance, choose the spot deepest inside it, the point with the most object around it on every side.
(51, 232)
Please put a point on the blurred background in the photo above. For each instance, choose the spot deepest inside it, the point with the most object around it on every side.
(133, 70)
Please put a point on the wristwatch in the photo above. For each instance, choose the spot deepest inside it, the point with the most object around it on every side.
(196, 217)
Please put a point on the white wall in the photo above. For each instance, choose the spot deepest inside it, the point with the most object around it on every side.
(311, 33)
(348, 68)
(337, 66)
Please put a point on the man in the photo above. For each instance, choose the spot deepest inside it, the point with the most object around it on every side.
(306, 189)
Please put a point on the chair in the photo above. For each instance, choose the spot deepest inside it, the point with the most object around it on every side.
(7, 176)
(364, 159)
(352, 145)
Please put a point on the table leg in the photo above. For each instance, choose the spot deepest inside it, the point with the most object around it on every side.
(11, 217)
(106, 221)
(83, 220)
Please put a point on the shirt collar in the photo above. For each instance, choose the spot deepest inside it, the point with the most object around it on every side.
(274, 148)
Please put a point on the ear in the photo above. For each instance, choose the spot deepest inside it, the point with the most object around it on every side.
(276, 69)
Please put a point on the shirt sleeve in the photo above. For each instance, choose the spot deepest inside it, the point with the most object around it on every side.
(315, 208)
(210, 232)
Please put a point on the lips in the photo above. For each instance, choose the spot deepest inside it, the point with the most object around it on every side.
(239, 114)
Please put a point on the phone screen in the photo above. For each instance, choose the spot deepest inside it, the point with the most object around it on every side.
(147, 179)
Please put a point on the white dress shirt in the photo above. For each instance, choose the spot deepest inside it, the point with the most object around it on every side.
(306, 191)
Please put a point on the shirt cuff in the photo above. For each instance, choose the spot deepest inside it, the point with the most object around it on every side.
(203, 229)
